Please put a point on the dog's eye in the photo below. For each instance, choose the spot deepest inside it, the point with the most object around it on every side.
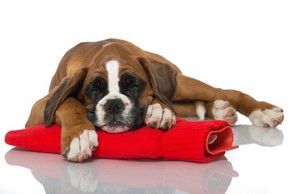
(133, 87)
(96, 86)
(132, 84)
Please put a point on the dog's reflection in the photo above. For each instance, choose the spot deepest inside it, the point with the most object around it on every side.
(122, 176)
(249, 134)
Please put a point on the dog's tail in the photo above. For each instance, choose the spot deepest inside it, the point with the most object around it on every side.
(200, 110)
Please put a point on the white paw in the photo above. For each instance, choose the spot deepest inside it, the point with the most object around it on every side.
(159, 118)
(81, 148)
(267, 118)
(222, 110)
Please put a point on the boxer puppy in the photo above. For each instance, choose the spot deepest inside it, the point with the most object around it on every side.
(115, 86)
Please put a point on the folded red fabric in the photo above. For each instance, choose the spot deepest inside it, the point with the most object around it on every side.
(195, 141)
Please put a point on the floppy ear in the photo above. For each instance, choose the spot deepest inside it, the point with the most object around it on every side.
(162, 78)
(67, 88)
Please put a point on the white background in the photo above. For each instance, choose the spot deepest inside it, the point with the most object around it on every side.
(242, 45)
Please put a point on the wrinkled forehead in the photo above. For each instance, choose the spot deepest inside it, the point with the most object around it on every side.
(116, 69)
(118, 53)
(113, 68)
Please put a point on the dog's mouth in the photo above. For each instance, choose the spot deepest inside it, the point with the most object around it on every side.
(115, 126)
(114, 123)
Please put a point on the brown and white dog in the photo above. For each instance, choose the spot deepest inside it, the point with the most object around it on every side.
(115, 86)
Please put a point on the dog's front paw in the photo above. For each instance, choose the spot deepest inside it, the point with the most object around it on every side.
(159, 118)
(222, 110)
(80, 148)
(267, 118)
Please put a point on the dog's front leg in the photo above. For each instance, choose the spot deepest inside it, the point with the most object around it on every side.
(78, 135)
(159, 116)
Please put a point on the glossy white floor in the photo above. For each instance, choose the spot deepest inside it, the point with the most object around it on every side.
(241, 45)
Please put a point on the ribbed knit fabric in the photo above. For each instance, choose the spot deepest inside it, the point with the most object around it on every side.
(188, 141)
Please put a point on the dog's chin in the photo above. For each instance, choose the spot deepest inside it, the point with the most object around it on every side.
(115, 127)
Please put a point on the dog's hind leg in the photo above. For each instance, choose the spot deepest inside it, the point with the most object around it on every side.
(260, 113)
(190, 109)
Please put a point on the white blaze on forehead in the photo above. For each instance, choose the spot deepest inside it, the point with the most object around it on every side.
(113, 76)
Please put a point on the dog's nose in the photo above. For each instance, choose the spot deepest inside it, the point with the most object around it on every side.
(114, 106)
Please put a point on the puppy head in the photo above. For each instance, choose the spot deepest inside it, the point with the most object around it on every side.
(116, 90)
(115, 102)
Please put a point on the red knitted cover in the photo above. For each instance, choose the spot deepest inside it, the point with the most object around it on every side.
(187, 141)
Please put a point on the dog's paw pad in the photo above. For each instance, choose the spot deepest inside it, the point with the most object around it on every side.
(222, 110)
(81, 147)
(267, 118)
(159, 118)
